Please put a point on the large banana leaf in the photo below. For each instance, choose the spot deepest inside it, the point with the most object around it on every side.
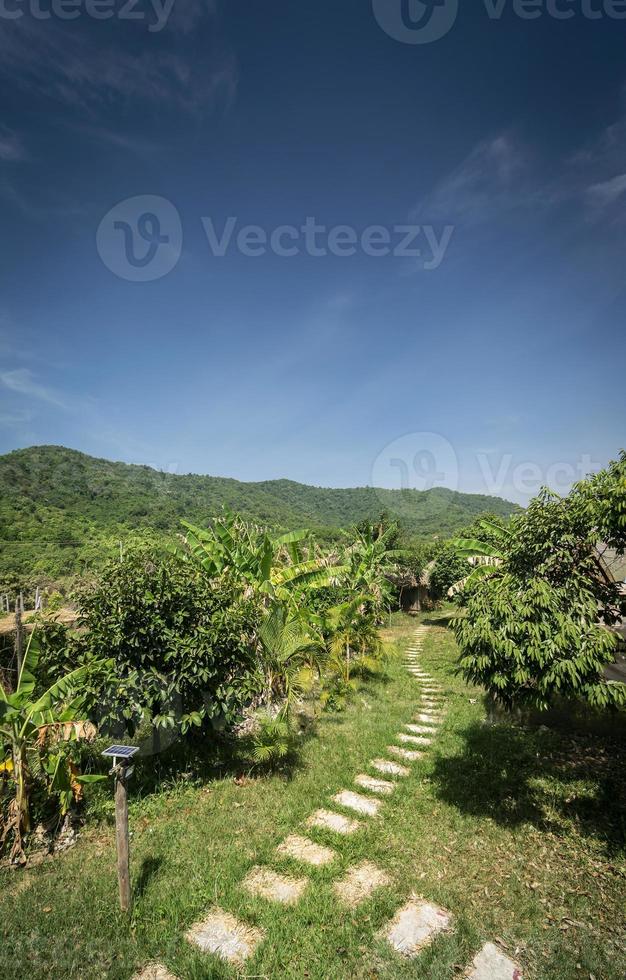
(472, 548)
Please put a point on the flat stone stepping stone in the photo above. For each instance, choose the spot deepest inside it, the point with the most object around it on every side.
(329, 820)
(420, 729)
(404, 753)
(154, 971)
(303, 849)
(225, 936)
(265, 883)
(389, 768)
(359, 883)
(413, 739)
(415, 926)
(428, 717)
(492, 964)
(381, 786)
(358, 803)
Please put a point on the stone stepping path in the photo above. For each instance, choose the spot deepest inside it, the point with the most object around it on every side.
(415, 926)
(382, 786)
(154, 971)
(407, 754)
(492, 964)
(265, 883)
(302, 849)
(360, 883)
(388, 767)
(355, 801)
(413, 739)
(336, 822)
(225, 936)
(427, 717)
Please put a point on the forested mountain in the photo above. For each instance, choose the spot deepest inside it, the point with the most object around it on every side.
(62, 511)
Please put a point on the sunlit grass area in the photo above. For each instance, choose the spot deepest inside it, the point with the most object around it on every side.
(519, 834)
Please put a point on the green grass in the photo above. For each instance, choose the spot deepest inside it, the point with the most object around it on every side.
(517, 833)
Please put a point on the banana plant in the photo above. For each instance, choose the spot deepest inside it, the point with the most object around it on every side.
(34, 732)
(372, 562)
(484, 556)
(271, 565)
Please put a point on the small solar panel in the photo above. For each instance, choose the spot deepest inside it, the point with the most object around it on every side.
(121, 751)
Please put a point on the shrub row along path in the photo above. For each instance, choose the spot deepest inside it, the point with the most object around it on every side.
(417, 921)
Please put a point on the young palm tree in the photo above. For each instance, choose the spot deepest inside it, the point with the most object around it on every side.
(287, 649)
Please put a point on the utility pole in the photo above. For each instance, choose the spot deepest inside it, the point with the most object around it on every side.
(122, 771)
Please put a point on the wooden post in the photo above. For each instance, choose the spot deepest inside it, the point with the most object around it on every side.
(19, 639)
(121, 837)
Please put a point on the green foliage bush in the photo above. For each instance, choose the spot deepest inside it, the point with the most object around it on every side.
(538, 626)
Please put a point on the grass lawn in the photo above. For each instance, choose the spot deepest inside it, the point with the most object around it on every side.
(519, 834)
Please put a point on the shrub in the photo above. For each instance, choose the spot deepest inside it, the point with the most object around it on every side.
(182, 644)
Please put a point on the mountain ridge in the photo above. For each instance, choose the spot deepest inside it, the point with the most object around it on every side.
(55, 501)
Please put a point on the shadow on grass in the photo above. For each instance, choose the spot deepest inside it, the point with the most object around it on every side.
(150, 867)
(515, 776)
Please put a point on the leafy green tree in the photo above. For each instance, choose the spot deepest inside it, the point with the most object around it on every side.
(183, 644)
(448, 568)
(538, 625)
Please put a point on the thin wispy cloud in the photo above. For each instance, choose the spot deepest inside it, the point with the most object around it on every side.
(69, 67)
(22, 381)
(10, 420)
(494, 177)
(11, 147)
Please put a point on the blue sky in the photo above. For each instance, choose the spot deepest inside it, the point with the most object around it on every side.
(503, 366)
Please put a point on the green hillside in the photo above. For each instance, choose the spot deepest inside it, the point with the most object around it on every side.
(61, 511)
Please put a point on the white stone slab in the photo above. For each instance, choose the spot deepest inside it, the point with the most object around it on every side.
(413, 739)
(265, 883)
(225, 936)
(360, 883)
(154, 971)
(333, 821)
(357, 802)
(415, 926)
(389, 768)
(404, 753)
(302, 849)
(428, 717)
(420, 729)
(381, 786)
(492, 964)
